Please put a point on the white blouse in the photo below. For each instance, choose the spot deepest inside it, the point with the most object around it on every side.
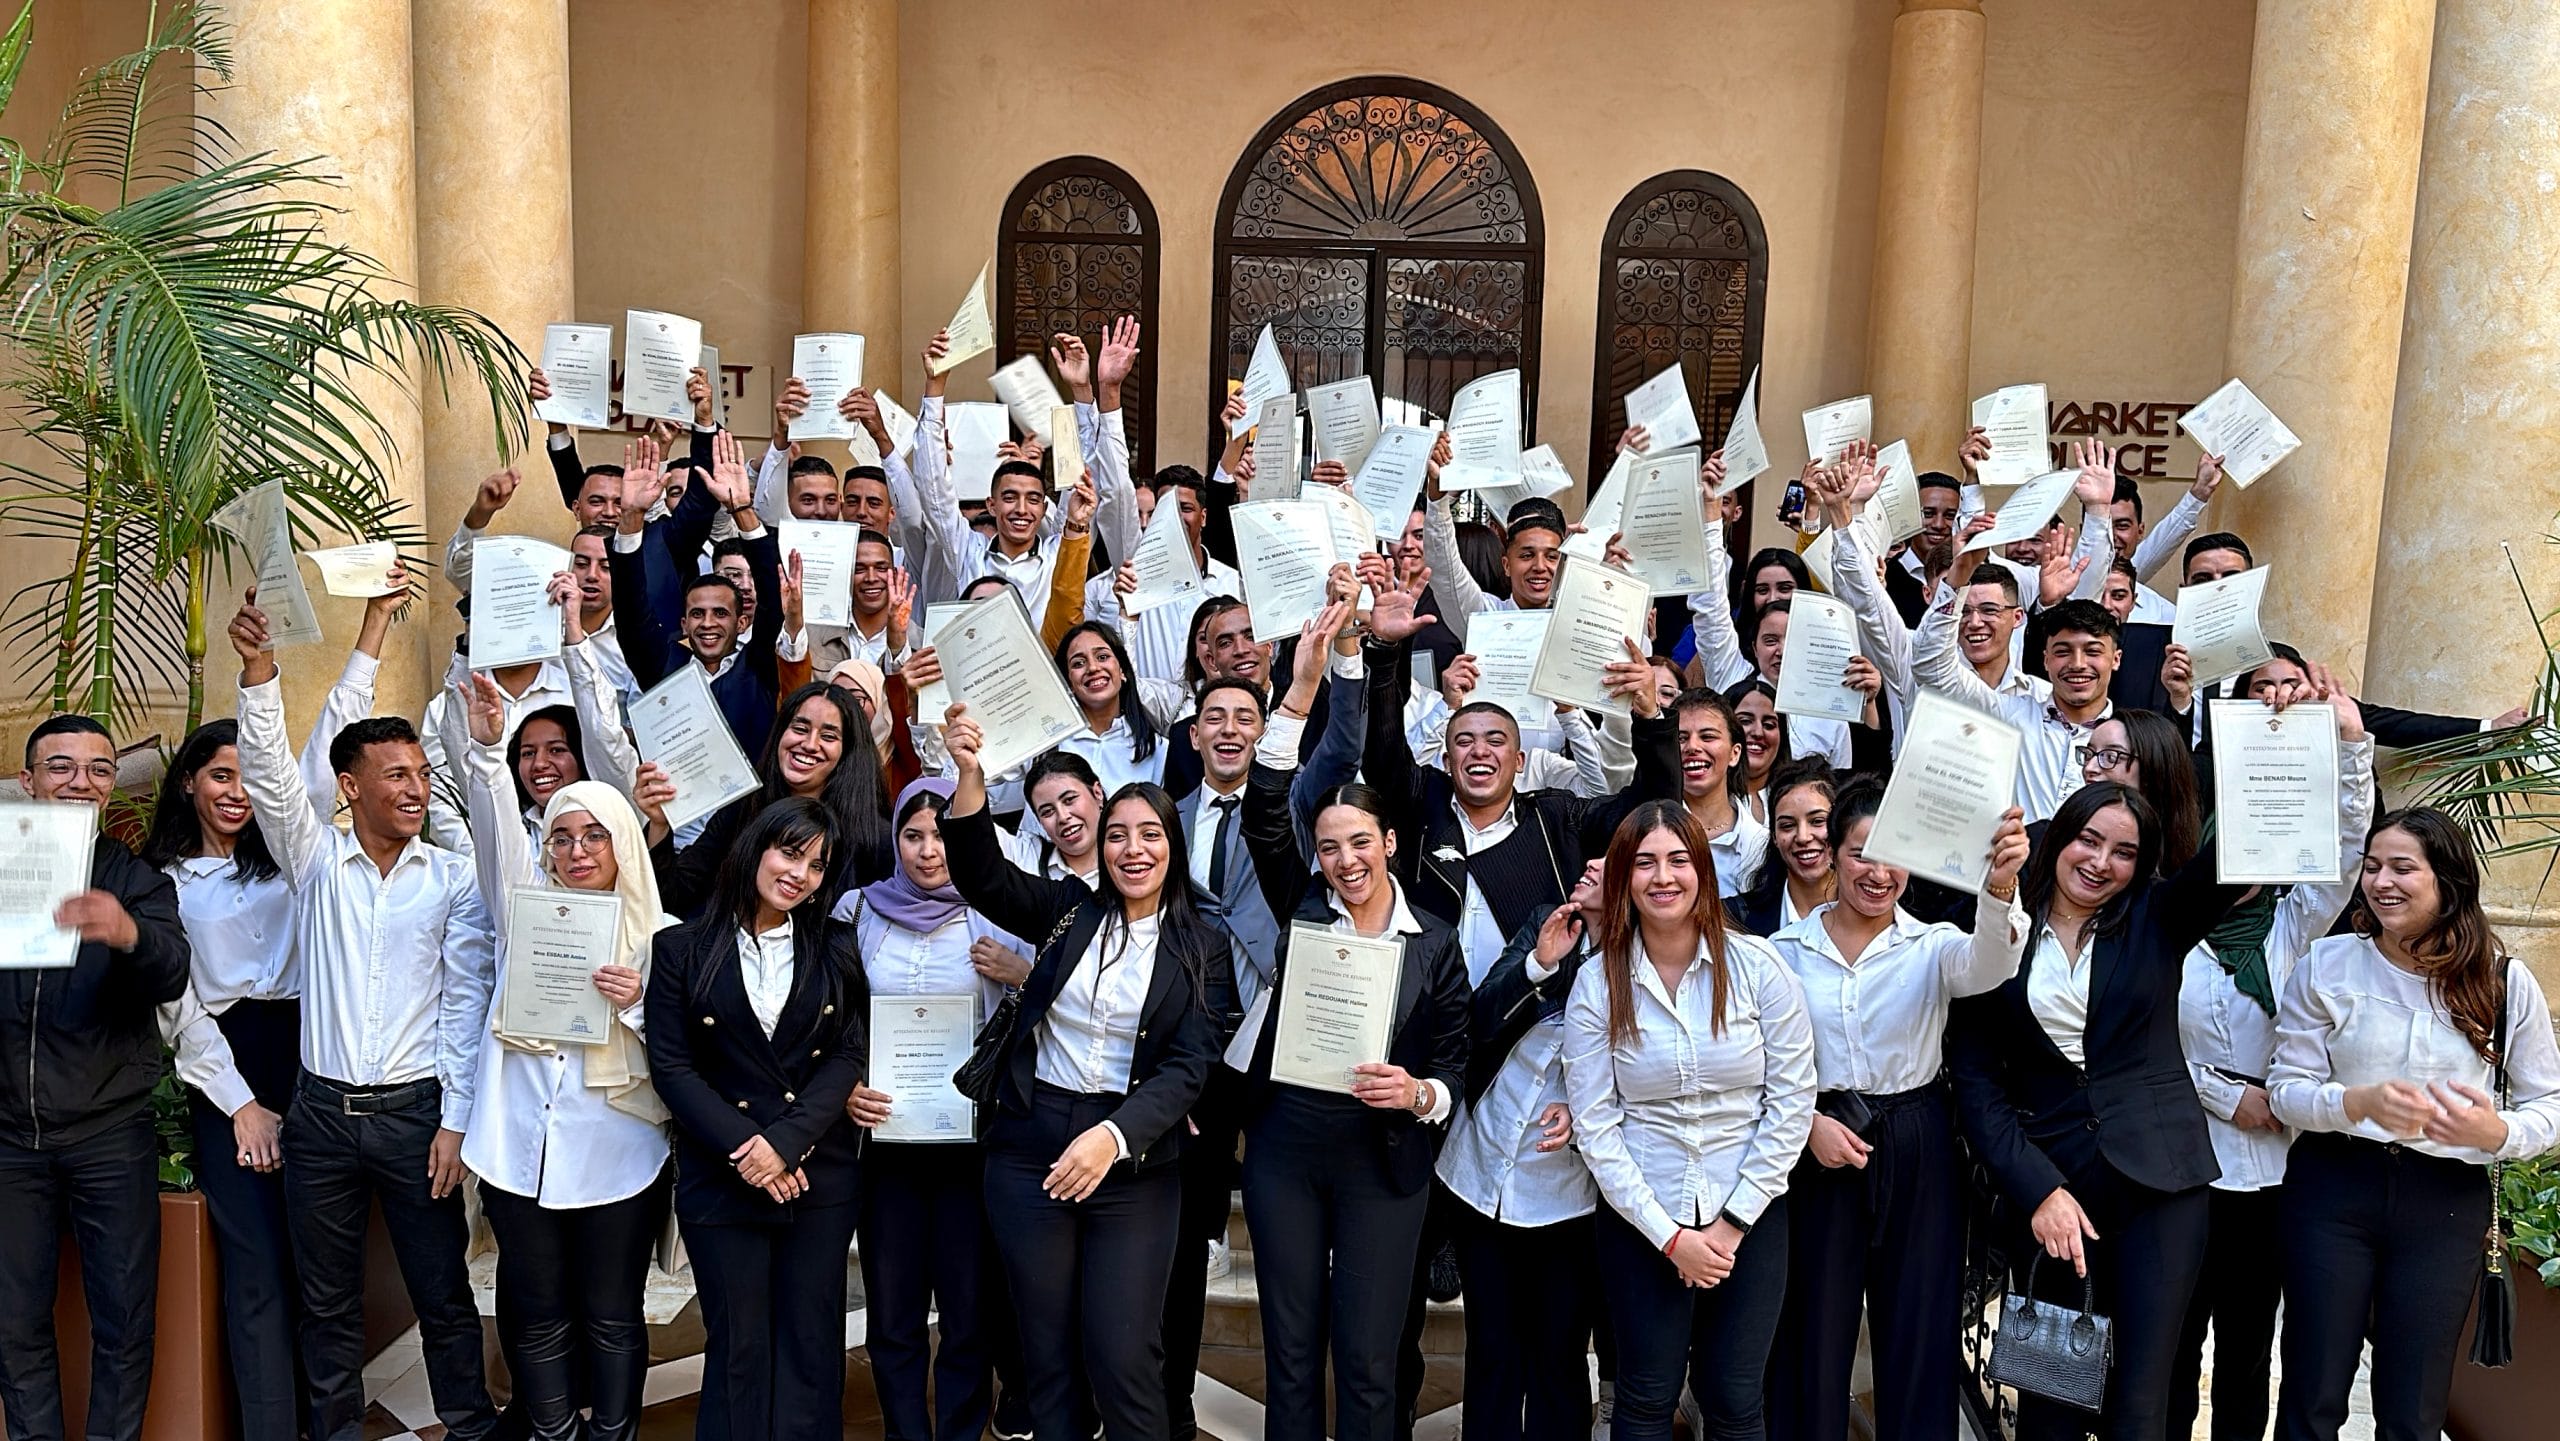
(1089, 1038)
(764, 963)
(897, 961)
(2058, 993)
(1682, 1123)
(240, 936)
(1878, 1021)
(2349, 1017)
(1492, 1161)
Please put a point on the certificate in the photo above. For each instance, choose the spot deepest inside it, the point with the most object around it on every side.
(1542, 474)
(578, 361)
(555, 940)
(1661, 405)
(1343, 417)
(1284, 552)
(679, 728)
(932, 700)
(1956, 777)
(1597, 611)
(1275, 446)
(513, 618)
(2218, 624)
(1066, 448)
(45, 851)
(659, 352)
(1353, 533)
(1896, 503)
(1265, 377)
(977, 428)
(2013, 418)
(829, 365)
(995, 664)
(1392, 476)
(2235, 425)
(1484, 434)
(1663, 522)
(1337, 1006)
(895, 419)
(1745, 453)
(1505, 644)
(1167, 571)
(1822, 636)
(2028, 510)
(1030, 397)
(1828, 429)
(1600, 516)
(1822, 556)
(825, 548)
(363, 570)
(917, 1044)
(972, 330)
(710, 364)
(2275, 794)
(259, 521)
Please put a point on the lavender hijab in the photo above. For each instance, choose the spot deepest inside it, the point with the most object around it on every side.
(899, 900)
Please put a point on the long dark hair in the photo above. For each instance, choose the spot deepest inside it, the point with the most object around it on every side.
(1780, 753)
(1771, 883)
(786, 824)
(176, 834)
(2168, 775)
(1133, 710)
(1747, 576)
(1181, 930)
(563, 716)
(864, 846)
(2458, 953)
(1621, 935)
(2036, 886)
(1366, 799)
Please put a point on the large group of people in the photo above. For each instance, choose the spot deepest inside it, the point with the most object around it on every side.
(1681, 1081)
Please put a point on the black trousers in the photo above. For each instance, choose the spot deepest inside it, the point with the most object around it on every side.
(338, 1165)
(2144, 1264)
(1087, 1274)
(1333, 1252)
(571, 1283)
(2243, 1279)
(2380, 1242)
(107, 1187)
(261, 1295)
(1440, 1227)
(773, 1321)
(1208, 1202)
(1530, 1295)
(1886, 1240)
(924, 1243)
(1716, 1338)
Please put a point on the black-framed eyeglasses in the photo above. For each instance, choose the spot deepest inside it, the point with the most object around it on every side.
(2106, 760)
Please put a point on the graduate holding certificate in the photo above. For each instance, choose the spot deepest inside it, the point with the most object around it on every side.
(1663, 522)
(513, 616)
(2217, 622)
(1392, 475)
(2012, 419)
(1344, 419)
(1599, 623)
(1284, 551)
(1956, 778)
(830, 365)
(1484, 434)
(680, 731)
(2236, 426)
(1660, 407)
(2275, 791)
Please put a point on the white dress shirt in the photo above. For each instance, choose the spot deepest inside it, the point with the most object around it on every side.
(1113, 752)
(2349, 1017)
(1480, 936)
(1683, 1122)
(1569, 754)
(1031, 849)
(2048, 768)
(240, 939)
(1724, 665)
(1878, 1021)
(2228, 1036)
(1739, 852)
(576, 679)
(955, 553)
(2058, 993)
(764, 963)
(1089, 1039)
(897, 961)
(1492, 1161)
(397, 966)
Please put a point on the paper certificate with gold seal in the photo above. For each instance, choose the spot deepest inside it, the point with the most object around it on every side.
(2275, 791)
(1337, 1006)
(555, 941)
(995, 665)
(917, 1044)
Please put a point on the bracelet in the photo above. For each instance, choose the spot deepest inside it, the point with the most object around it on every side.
(1736, 1222)
(1674, 1241)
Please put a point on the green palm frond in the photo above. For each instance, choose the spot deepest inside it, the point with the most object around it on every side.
(2503, 786)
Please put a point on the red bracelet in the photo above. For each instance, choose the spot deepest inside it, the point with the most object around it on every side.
(1674, 1241)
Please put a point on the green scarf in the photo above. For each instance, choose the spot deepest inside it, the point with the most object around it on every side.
(2240, 944)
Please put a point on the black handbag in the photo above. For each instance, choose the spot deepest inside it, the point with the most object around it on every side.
(2047, 1349)
(2493, 1332)
(981, 1074)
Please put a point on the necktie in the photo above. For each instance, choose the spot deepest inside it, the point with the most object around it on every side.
(1225, 806)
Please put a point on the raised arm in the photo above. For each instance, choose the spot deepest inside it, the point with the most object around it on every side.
(2164, 538)
(1458, 592)
(992, 884)
(501, 854)
(278, 795)
(1720, 657)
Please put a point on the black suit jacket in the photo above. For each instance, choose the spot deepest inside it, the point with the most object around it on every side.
(1179, 1028)
(83, 1045)
(2137, 687)
(2039, 1122)
(726, 1082)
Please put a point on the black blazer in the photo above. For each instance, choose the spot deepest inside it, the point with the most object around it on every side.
(1507, 1004)
(2035, 1119)
(1430, 1032)
(1178, 1029)
(726, 1083)
(83, 1045)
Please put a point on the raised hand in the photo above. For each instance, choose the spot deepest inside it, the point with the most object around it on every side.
(730, 483)
(1315, 643)
(2008, 851)
(1392, 616)
(248, 632)
(858, 406)
(936, 379)
(484, 707)
(1232, 411)
(2178, 677)
(902, 602)
(789, 404)
(1635, 438)
(1081, 501)
(2208, 478)
(1710, 483)
(2096, 461)
(1119, 352)
(1343, 583)
(697, 388)
(2327, 689)
(1458, 680)
(651, 791)
(1330, 472)
(1075, 366)
(1973, 451)
(1242, 473)
(537, 389)
(563, 592)
(494, 493)
(644, 479)
(2059, 575)
(794, 580)
(1631, 680)
(1862, 676)
(962, 738)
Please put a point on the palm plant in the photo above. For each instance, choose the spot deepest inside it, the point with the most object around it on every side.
(183, 329)
(2503, 786)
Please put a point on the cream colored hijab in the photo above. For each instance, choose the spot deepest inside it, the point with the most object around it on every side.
(620, 1065)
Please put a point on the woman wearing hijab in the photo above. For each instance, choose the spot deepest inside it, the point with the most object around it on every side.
(925, 1243)
(569, 1141)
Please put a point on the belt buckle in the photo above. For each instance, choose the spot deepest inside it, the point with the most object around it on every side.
(353, 1104)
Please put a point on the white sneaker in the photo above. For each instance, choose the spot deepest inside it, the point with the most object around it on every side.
(1601, 1413)
(1220, 1260)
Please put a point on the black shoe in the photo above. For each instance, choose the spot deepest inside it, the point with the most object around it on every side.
(1444, 1282)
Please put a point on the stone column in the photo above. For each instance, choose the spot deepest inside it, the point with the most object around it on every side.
(850, 278)
(333, 81)
(2478, 409)
(2329, 179)
(493, 225)
(1920, 319)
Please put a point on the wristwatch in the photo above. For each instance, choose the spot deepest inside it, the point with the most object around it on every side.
(1421, 1098)
(1736, 1222)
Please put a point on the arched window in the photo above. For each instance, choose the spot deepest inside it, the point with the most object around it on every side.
(1078, 250)
(1384, 227)
(1684, 275)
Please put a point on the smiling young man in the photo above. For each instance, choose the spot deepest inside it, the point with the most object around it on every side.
(1156, 637)
(2080, 659)
(76, 1134)
(712, 627)
(398, 967)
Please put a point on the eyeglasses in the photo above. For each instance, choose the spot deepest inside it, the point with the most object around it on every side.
(561, 843)
(63, 768)
(1985, 612)
(2105, 760)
